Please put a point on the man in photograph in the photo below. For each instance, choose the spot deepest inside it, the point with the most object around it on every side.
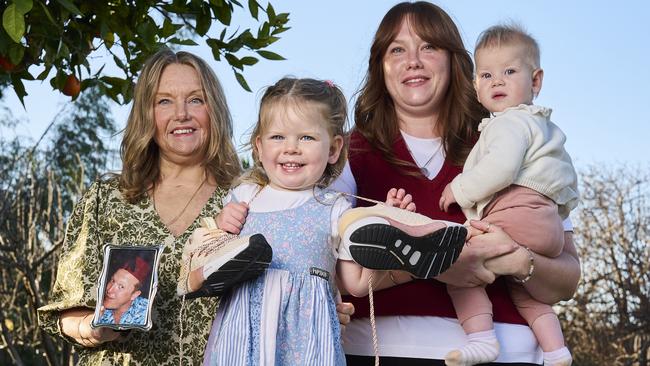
(122, 301)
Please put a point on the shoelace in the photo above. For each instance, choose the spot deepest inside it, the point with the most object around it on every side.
(222, 237)
(373, 325)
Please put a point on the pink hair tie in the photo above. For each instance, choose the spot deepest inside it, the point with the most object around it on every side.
(329, 83)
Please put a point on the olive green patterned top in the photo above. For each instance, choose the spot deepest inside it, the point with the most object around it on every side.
(122, 223)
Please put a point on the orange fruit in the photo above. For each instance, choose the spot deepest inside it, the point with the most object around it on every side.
(72, 86)
(6, 64)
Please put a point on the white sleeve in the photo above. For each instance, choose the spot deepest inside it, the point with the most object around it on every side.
(242, 193)
(345, 183)
(340, 206)
(505, 142)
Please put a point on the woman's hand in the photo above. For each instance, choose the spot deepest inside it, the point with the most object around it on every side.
(486, 242)
(232, 217)
(76, 324)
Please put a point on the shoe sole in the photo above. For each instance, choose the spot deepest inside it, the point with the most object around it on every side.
(385, 247)
(249, 264)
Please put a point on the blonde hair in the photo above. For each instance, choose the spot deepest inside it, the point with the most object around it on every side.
(324, 95)
(140, 153)
(511, 34)
(374, 113)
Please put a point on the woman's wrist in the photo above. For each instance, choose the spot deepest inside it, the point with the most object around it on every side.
(527, 270)
(399, 277)
(85, 331)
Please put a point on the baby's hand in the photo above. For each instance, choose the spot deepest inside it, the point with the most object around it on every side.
(398, 198)
(232, 217)
(447, 198)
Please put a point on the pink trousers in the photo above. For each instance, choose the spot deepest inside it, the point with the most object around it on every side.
(531, 219)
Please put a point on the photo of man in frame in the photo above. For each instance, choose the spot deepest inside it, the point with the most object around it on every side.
(127, 290)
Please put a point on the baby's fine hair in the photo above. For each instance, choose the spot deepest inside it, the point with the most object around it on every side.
(300, 93)
(511, 34)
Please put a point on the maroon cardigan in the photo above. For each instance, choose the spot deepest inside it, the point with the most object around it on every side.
(374, 177)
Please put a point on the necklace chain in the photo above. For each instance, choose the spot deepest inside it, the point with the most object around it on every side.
(423, 168)
(172, 221)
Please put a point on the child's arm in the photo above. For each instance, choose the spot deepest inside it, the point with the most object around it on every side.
(353, 278)
(504, 142)
(447, 198)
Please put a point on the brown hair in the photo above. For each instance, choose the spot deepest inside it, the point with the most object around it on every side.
(511, 34)
(140, 153)
(329, 100)
(375, 117)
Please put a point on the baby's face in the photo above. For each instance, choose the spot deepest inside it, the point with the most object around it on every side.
(504, 78)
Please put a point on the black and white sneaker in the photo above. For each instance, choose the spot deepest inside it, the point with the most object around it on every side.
(388, 238)
(214, 260)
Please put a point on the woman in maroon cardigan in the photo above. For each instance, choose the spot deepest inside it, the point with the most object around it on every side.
(416, 119)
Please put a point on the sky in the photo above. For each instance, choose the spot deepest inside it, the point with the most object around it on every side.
(595, 56)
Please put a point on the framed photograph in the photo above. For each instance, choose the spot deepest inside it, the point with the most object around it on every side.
(127, 287)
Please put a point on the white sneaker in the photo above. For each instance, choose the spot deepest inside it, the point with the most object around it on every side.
(214, 260)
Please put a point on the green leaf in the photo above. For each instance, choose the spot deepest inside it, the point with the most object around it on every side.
(253, 7)
(16, 53)
(242, 81)
(280, 30)
(47, 13)
(23, 6)
(248, 61)
(184, 42)
(270, 55)
(19, 88)
(223, 14)
(43, 75)
(270, 12)
(233, 61)
(169, 28)
(203, 23)
(70, 7)
(109, 39)
(14, 23)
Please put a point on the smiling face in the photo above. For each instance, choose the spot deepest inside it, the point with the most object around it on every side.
(295, 146)
(416, 74)
(505, 77)
(121, 291)
(181, 115)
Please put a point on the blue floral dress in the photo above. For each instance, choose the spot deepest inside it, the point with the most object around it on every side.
(286, 316)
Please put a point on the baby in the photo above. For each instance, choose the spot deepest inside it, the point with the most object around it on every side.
(518, 176)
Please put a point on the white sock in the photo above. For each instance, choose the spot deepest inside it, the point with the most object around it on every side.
(559, 357)
(481, 347)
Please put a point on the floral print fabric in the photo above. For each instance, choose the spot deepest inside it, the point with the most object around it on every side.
(102, 217)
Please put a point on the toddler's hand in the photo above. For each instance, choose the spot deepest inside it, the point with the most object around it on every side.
(398, 198)
(232, 217)
(447, 198)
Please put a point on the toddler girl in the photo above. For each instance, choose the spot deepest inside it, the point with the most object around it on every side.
(518, 176)
(287, 316)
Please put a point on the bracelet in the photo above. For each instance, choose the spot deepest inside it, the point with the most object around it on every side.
(531, 267)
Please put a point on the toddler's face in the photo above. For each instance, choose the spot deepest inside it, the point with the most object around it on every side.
(504, 78)
(296, 146)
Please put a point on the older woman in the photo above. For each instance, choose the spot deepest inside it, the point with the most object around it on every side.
(416, 119)
(177, 158)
